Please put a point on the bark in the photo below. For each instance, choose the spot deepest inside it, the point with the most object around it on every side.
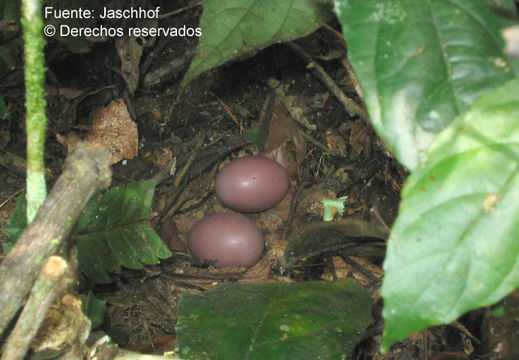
(87, 171)
(42, 295)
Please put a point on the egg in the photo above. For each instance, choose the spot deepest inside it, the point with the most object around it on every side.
(226, 239)
(251, 184)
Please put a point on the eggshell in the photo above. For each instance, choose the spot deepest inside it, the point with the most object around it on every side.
(251, 184)
(226, 239)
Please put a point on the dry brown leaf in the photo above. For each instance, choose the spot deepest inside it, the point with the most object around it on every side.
(360, 139)
(297, 111)
(297, 106)
(169, 234)
(312, 202)
(114, 129)
(272, 219)
(335, 142)
(160, 157)
(339, 270)
(276, 244)
(258, 273)
(130, 52)
(283, 132)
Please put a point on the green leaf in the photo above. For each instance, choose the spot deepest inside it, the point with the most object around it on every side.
(234, 28)
(94, 309)
(421, 63)
(113, 231)
(454, 245)
(332, 207)
(16, 224)
(254, 134)
(311, 320)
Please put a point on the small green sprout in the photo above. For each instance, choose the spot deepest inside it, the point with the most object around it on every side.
(332, 207)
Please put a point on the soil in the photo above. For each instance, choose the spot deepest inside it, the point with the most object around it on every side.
(341, 156)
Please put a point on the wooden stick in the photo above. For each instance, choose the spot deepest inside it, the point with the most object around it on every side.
(351, 107)
(87, 170)
(42, 295)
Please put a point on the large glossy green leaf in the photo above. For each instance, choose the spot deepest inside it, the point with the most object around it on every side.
(311, 320)
(454, 246)
(422, 62)
(234, 28)
(113, 231)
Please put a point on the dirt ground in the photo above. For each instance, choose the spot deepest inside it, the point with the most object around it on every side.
(327, 153)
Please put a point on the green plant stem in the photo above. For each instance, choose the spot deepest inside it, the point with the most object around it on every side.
(35, 103)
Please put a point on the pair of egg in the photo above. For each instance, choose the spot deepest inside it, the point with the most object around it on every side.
(248, 184)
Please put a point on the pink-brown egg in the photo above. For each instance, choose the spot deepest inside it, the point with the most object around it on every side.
(226, 239)
(251, 184)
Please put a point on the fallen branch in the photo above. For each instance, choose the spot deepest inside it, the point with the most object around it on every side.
(45, 289)
(87, 171)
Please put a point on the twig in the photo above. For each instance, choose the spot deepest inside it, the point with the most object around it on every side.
(465, 331)
(227, 110)
(182, 198)
(318, 144)
(197, 205)
(291, 215)
(338, 34)
(195, 152)
(351, 107)
(360, 269)
(346, 63)
(168, 170)
(87, 170)
(210, 156)
(264, 119)
(42, 295)
(13, 163)
(11, 197)
(145, 66)
(182, 9)
(176, 185)
(353, 77)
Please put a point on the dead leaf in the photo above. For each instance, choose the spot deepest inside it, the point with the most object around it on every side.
(130, 52)
(283, 132)
(276, 244)
(317, 238)
(338, 271)
(296, 105)
(160, 157)
(335, 142)
(272, 219)
(312, 202)
(360, 139)
(169, 234)
(258, 273)
(114, 129)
